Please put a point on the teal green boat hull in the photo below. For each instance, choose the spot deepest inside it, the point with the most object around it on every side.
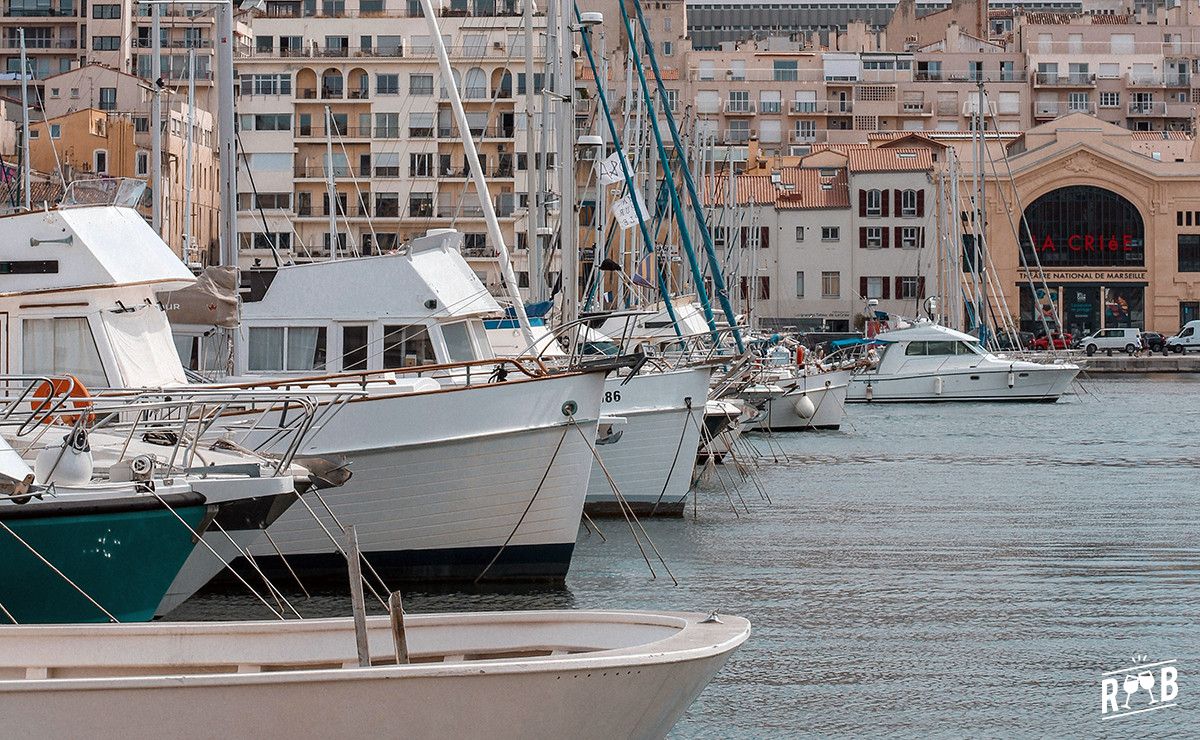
(123, 554)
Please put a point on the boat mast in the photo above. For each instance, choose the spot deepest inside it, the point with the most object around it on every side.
(156, 118)
(564, 83)
(330, 188)
(28, 164)
(481, 186)
(225, 128)
(533, 207)
(980, 247)
(187, 167)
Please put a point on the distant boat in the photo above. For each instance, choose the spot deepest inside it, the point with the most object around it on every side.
(575, 674)
(929, 362)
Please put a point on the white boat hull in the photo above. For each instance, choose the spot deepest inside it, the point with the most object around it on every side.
(554, 674)
(827, 393)
(1030, 382)
(653, 460)
(446, 482)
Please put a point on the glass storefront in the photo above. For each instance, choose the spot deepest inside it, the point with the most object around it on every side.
(1083, 226)
(1085, 307)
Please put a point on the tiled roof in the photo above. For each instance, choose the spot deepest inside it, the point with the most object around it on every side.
(1063, 19)
(40, 192)
(798, 188)
(813, 191)
(890, 160)
(756, 189)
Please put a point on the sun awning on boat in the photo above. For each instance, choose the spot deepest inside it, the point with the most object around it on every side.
(211, 301)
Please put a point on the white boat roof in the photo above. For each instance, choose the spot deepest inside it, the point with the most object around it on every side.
(395, 285)
(925, 332)
(85, 247)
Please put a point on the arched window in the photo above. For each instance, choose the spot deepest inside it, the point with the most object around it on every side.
(331, 84)
(1084, 226)
(476, 84)
(874, 203)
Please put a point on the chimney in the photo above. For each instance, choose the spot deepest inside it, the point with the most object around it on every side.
(752, 153)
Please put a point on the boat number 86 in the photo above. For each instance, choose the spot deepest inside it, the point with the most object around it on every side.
(612, 396)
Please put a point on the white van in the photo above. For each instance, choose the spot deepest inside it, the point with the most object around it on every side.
(1122, 340)
(1188, 338)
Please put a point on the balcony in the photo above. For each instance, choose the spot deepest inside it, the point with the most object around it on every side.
(1156, 80)
(33, 45)
(1053, 79)
(63, 11)
(738, 107)
(317, 172)
(348, 132)
(480, 132)
(970, 77)
(1043, 110)
(821, 107)
(915, 108)
(316, 51)
(735, 135)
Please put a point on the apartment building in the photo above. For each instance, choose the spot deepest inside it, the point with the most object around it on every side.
(125, 99)
(355, 95)
(834, 229)
(788, 97)
(61, 35)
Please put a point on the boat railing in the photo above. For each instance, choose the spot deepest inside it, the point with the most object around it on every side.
(271, 424)
(474, 371)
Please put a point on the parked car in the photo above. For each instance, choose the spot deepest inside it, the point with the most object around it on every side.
(1123, 340)
(1061, 341)
(1152, 341)
(1006, 343)
(1187, 339)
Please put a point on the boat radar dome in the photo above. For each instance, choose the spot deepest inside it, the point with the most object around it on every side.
(439, 232)
(590, 19)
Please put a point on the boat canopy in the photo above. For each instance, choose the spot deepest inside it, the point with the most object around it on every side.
(854, 342)
(925, 332)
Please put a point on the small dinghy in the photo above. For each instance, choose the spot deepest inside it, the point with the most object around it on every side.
(576, 674)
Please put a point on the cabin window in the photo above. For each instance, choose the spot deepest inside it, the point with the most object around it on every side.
(58, 346)
(406, 346)
(458, 342)
(354, 348)
(919, 349)
(304, 345)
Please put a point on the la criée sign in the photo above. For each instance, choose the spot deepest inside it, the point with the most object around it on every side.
(1089, 243)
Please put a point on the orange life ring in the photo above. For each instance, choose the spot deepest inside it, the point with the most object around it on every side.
(47, 392)
(799, 355)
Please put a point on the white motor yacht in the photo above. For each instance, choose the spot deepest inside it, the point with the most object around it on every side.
(930, 362)
(480, 475)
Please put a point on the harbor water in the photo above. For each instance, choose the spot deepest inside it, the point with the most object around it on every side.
(938, 569)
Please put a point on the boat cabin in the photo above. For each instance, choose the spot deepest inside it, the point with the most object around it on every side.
(419, 306)
(78, 291)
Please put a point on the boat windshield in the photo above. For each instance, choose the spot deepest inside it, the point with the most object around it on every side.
(926, 349)
(107, 191)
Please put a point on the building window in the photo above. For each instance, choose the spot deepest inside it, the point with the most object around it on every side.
(142, 164)
(908, 203)
(420, 164)
(874, 237)
(420, 84)
(668, 48)
(387, 84)
(874, 287)
(908, 288)
(874, 203)
(910, 237)
(1189, 252)
(55, 131)
(106, 43)
(1110, 100)
(106, 11)
(785, 71)
(1083, 226)
(830, 233)
(799, 284)
(831, 285)
(739, 101)
(799, 233)
(141, 124)
(100, 161)
(1078, 101)
(420, 205)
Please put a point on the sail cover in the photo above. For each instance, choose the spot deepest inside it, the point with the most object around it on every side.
(211, 301)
